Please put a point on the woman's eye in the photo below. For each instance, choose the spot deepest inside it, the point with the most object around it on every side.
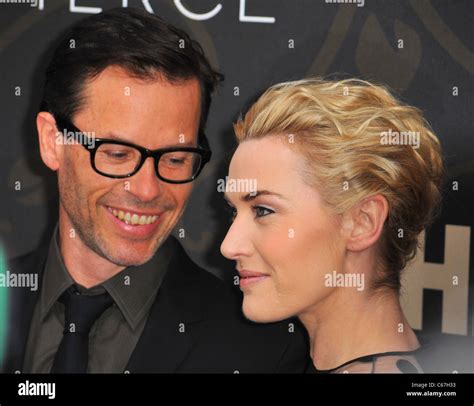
(261, 211)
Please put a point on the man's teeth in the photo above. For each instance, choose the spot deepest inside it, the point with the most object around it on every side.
(132, 218)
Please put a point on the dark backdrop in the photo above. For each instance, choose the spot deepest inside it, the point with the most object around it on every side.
(422, 49)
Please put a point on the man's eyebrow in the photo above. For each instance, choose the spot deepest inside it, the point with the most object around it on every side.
(112, 136)
(253, 195)
(116, 137)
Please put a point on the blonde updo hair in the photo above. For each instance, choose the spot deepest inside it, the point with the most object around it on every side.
(339, 126)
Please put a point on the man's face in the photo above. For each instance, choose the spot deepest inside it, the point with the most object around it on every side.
(153, 114)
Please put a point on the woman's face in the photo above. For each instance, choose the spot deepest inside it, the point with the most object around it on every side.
(283, 238)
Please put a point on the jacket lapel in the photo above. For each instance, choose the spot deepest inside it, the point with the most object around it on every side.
(21, 305)
(171, 330)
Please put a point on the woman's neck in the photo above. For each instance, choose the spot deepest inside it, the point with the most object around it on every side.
(349, 324)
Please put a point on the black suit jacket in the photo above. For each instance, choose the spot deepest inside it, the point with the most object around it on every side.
(216, 337)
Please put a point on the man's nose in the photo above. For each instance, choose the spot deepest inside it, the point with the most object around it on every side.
(145, 184)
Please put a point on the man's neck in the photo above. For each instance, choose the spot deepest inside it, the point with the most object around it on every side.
(85, 266)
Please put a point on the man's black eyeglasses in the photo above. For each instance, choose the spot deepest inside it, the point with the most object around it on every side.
(119, 159)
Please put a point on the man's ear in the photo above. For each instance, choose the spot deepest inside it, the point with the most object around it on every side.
(47, 136)
(363, 223)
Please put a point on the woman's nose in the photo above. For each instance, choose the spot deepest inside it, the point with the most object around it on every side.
(236, 243)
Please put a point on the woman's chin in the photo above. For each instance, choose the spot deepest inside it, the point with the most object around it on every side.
(261, 313)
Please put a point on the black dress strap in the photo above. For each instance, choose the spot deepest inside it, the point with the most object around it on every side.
(403, 365)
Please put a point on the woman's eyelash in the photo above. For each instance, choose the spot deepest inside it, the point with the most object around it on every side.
(261, 211)
(232, 211)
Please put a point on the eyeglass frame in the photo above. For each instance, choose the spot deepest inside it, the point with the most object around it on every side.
(145, 153)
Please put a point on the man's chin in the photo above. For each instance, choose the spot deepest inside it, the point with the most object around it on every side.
(129, 252)
(126, 258)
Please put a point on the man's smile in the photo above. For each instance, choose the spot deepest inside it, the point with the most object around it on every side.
(133, 217)
(135, 225)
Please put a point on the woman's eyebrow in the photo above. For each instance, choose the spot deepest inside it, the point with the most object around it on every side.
(253, 195)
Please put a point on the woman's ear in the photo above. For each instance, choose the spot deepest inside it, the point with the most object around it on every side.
(363, 223)
(47, 136)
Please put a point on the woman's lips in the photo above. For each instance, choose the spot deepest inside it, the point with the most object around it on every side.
(250, 277)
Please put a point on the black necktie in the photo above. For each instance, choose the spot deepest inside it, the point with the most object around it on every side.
(81, 311)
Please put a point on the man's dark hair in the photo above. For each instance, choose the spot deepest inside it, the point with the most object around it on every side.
(141, 43)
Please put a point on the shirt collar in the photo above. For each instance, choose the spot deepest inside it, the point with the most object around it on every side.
(133, 289)
(56, 277)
